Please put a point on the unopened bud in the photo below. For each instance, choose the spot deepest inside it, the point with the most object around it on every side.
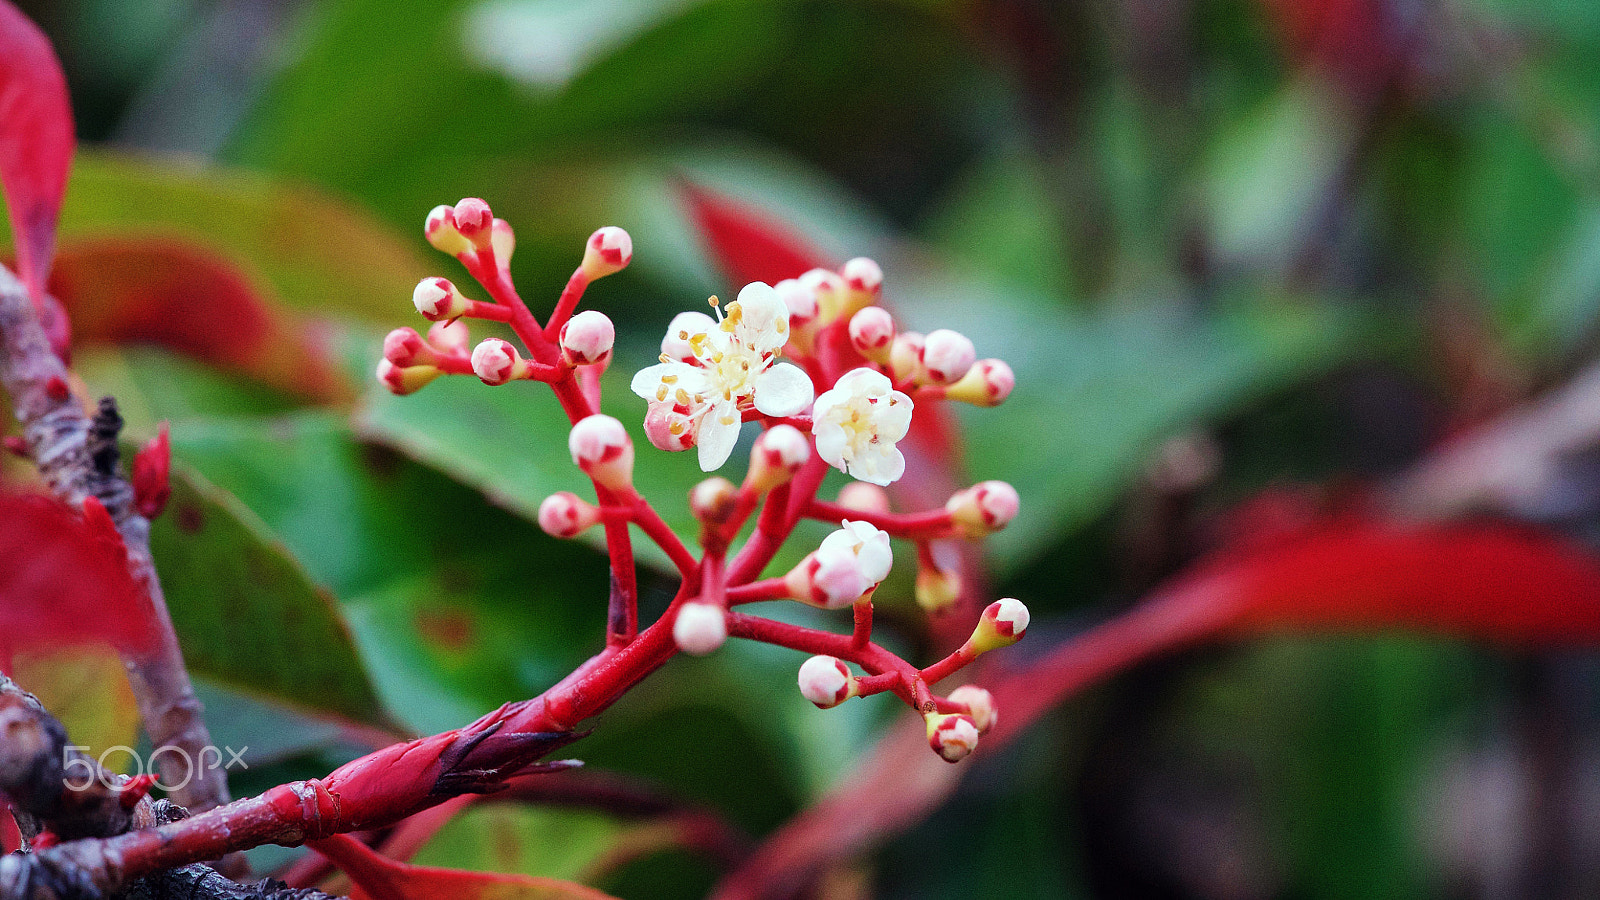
(1002, 624)
(438, 300)
(504, 242)
(601, 448)
(566, 515)
(404, 347)
(865, 497)
(905, 355)
(980, 705)
(609, 250)
(947, 355)
(826, 681)
(987, 383)
(937, 588)
(799, 299)
(699, 628)
(779, 452)
(951, 735)
(982, 509)
(829, 289)
(863, 280)
(587, 337)
(872, 333)
(712, 500)
(667, 427)
(450, 337)
(440, 230)
(496, 362)
(405, 380)
(152, 475)
(849, 563)
(475, 222)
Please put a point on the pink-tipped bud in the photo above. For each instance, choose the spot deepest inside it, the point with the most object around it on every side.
(826, 681)
(496, 362)
(799, 299)
(983, 509)
(863, 281)
(475, 222)
(872, 333)
(987, 383)
(829, 289)
(779, 452)
(699, 628)
(864, 496)
(504, 242)
(438, 300)
(566, 515)
(980, 706)
(951, 735)
(404, 347)
(905, 355)
(587, 337)
(712, 500)
(937, 588)
(668, 427)
(152, 475)
(450, 338)
(405, 380)
(849, 563)
(1002, 624)
(440, 230)
(947, 355)
(601, 448)
(609, 251)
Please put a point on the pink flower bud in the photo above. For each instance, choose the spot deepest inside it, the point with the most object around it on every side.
(601, 448)
(863, 276)
(864, 496)
(872, 333)
(475, 222)
(152, 475)
(712, 500)
(437, 299)
(987, 383)
(407, 380)
(800, 300)
(826, 681)
(951, 735)
(404, 347)
(699, 628)
(937, 588)
(609, 250)
(440, 230)
(668, 427)
(779, 452)
(979, 704)
(1002, 624)
(829, 289)
(566, 515)
(504, 242)
(947, 355)
(982, 509)
(587, 337)
(905, 355)
(496, 362)
(451, 338)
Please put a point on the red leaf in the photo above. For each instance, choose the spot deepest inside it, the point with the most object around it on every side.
(63, 583)
(183, 296)
(35, 143)
(379, 878)
(746, 243)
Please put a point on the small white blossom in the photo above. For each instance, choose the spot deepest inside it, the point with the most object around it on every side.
(849, 563)
(858, 422)
(711, 372)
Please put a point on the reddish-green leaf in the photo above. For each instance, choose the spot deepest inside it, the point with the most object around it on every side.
(379, 878)
(183, 296)
(747, 244)
(62, 584)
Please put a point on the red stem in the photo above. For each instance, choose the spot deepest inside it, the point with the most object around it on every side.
(862, 635)
(651, 523)
(567, 302)
(929, 525)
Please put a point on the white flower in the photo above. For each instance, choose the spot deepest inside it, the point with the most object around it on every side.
(857, 424)
(711, 372)
(848, 563)
(867, 544)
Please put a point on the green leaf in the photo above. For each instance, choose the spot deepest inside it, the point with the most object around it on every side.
(246, 613)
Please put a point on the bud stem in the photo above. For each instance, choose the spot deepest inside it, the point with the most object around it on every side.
(568, 301)
(929, 525)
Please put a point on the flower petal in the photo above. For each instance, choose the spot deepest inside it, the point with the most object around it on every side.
(894, 417)
(719, 431)
(881, 466)
(648, 380)
(783, 390)
(685, 325)
(831, 444)
(764, 318)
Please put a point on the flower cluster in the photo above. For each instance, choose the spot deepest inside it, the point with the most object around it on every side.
(822, 368)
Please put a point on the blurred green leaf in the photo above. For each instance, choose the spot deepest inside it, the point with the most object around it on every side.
(247, 614)
(503, 837)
